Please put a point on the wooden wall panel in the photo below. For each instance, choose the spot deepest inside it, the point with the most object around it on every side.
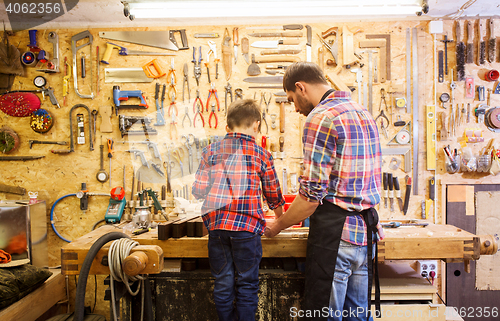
(58, 175)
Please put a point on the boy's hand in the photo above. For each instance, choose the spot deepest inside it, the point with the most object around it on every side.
(271, 230)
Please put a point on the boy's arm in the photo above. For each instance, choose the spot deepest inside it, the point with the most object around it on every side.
(271, 186)
(201, 185)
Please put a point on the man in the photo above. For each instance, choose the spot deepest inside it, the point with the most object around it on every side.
(340, 186)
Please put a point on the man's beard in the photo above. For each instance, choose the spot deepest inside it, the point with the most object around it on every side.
(305, 106)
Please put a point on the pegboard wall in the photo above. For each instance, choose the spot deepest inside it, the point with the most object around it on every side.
(57, 175)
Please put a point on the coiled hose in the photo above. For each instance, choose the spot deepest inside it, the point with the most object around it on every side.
(52, 217)
(84, 271)
(54, 206)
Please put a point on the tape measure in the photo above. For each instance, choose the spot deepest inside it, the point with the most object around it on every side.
(493, 116)
(402, 137)
(400, 102)
(28, 59)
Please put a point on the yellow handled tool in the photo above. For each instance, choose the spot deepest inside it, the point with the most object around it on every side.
(107, 54)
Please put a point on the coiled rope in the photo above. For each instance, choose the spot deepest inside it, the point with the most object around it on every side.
(118, 251)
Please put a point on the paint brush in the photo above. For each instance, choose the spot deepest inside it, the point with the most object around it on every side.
(492, 42)
(460, 47)
(470, 43)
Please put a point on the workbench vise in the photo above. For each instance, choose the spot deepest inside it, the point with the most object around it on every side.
(123, 95)
(126, 122)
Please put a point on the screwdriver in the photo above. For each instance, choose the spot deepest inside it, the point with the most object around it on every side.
(110, 155)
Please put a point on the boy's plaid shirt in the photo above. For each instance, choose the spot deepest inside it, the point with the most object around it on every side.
(229, 178)
(342, 159)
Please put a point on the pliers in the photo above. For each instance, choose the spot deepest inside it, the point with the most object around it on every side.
(229, 91)
(172, 103)
(186, 114)
(265, 110)
(197, 66)
(199, 108)
(211, 91)
(171, 72)
(172, 92)
(185, 81)
(213, 114)
(173, 126)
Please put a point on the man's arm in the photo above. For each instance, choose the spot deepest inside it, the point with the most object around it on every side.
(299, 210)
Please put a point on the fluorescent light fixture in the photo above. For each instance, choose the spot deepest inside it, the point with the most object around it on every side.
(149, 9)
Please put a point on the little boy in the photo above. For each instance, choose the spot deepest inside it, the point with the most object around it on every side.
(229, 179)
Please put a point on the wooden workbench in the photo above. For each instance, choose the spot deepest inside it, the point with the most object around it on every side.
(436, 242)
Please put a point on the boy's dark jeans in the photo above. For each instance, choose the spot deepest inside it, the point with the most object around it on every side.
(234, 261)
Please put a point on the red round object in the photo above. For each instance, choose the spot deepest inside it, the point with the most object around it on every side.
(117, 193)
(19, 104)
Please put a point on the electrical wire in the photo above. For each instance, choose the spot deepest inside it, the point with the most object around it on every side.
(118, 251)
(436, 291)
(97, 223)
(462, 9)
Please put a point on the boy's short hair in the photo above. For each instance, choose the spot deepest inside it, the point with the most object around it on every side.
(307, 72)
(243, 113)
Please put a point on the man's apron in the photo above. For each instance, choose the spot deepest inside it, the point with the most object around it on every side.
(325, 232)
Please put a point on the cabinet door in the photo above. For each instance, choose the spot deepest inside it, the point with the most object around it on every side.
(461, 290)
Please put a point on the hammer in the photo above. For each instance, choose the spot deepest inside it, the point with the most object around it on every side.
(282, 101)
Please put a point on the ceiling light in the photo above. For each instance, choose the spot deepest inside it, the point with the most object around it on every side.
(150, 9)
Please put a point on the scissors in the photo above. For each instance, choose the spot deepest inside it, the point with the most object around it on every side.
(170, 163)
(177, 155)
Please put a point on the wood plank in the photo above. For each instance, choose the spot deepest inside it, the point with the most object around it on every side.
(469, 201)
(73, 261)
(411, 312)
(37, 302)
(456, 193)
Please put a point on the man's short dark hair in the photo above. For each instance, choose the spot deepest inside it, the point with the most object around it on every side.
(307, 72)
(243, 113)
